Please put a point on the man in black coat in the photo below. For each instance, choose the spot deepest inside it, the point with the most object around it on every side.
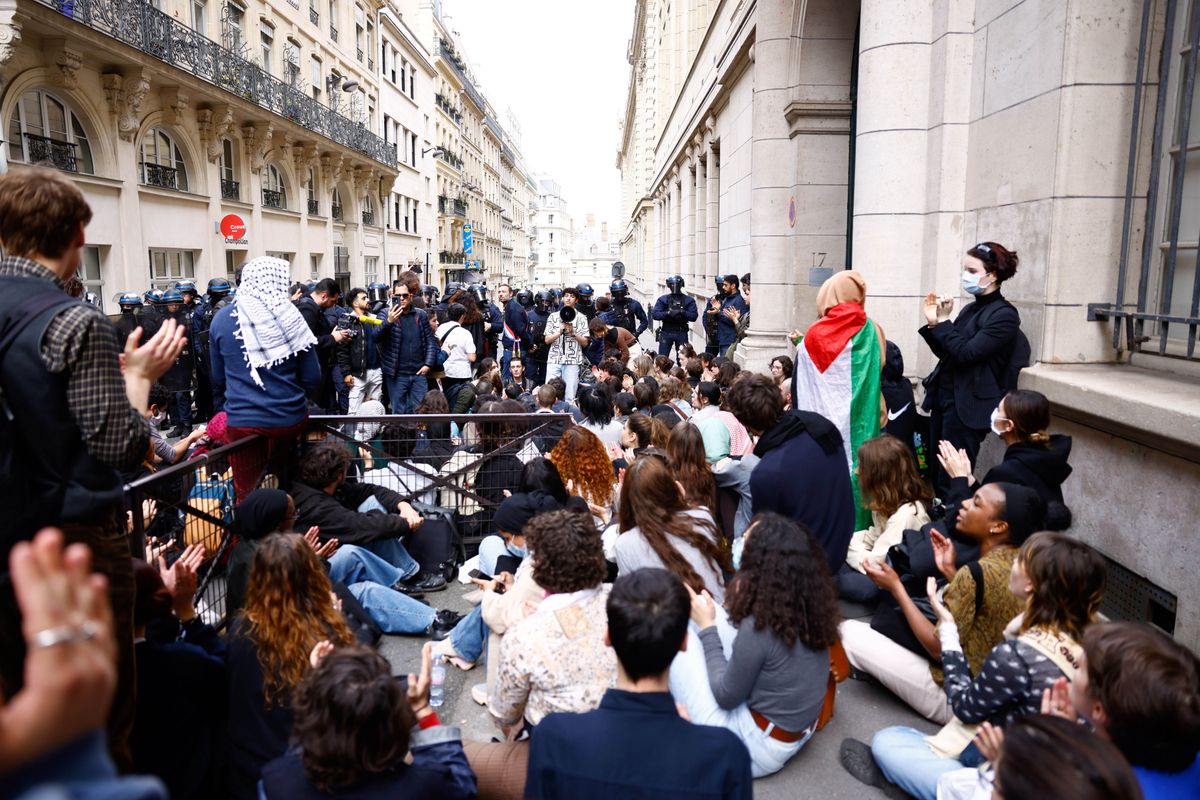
(313, 307)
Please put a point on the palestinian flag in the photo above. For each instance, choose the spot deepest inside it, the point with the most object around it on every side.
(837, 376)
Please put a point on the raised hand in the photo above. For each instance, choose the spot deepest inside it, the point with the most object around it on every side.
(955, 462)
(944, 553)
(882, 575)
(939, 608)
(704, 611)
(418, 685)
(319, 651)
(1056, 701)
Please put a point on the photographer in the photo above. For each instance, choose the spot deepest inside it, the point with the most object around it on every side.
(676, 311)
(358, 357)
(566, 335)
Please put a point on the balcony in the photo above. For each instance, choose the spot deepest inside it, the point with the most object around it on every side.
(335, 211)
(445, 105)
(314, 207)
(58, 153)
(455, 207)
(333, 33)
(359, 53)
(451, 159)
(368, 217)
(371, 64)
(160, 176)
(272, 199)
(230, 190)
(141, 26)
(314, 17)
(451, 257)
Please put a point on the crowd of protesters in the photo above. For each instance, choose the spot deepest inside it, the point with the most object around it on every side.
(661, 563)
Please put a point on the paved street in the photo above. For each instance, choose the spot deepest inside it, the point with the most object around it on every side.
(861, 710)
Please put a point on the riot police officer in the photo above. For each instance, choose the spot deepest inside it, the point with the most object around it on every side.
(218, 296)
(180, 377)
(130, 304)
(538, 350)
(586, 304)
(626, 312)
(676, 312)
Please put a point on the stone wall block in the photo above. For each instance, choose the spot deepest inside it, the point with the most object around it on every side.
(1024, 53)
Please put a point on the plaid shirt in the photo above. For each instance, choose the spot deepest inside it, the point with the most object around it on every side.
(81, 341)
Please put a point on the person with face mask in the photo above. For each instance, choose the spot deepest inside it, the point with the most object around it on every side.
(973, 350)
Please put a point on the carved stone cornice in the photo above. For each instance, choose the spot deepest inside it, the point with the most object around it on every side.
(65, 59)
(331, 168)
(256, 141)
(10, 32)
(214, 122)
(124, 93)
(304, 156)
(174, 103)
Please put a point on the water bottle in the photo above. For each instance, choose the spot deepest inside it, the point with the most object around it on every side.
(437, 675)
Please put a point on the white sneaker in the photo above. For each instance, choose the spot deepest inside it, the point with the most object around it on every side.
(479, 693)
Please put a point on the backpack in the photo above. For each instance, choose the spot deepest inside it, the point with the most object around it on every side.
(211, 497)
(1017, 358)
(441, 354)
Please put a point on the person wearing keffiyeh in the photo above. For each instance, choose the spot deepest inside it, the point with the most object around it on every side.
(263, 363)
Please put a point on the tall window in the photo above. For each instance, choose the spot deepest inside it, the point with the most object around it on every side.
(168, 266)
(370, 269)
(162, 162)
(230, 189)
(198, 16)
(267, 39)
(274, 190)
(315, 76)
(89, 273)
(291, 62)
(314, 261)
(43, 129)
(368, 210)
(360, 26)
(335, 204)
(310, 188)
(232, 26)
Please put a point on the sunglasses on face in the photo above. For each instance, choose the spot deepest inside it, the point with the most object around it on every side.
(405, 294)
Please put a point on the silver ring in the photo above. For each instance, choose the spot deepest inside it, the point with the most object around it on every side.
(52, 637)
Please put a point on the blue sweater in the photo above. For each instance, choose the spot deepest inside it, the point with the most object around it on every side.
(280, 402)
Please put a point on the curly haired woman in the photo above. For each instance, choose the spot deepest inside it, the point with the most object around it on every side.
(585, 466)
(289, 609)
(781, 621)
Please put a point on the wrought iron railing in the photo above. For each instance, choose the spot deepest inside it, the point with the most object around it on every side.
(335, 211)
(44, 149)
(450, 158)
(452, 257)
(368, 217)
(145, 28)
(314, 17)
(333, 33)
(314, 206)
(230, 190)
(358, 52)
(272, 198)
(160, 176)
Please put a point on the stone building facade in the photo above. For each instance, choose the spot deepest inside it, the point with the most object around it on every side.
(790, 139)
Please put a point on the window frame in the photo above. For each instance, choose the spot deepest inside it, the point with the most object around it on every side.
(77, 131)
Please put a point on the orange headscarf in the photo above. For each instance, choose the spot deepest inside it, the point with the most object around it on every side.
(845, 286)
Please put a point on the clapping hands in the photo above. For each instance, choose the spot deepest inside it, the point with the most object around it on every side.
(955, 462)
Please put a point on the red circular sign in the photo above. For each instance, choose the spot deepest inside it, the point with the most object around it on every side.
(233, 226)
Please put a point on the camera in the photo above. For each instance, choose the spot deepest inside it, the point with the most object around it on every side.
(567, 314)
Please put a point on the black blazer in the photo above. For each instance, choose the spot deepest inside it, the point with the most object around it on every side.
(973, 352)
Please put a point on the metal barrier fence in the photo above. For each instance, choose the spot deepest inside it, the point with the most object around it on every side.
(456, 465)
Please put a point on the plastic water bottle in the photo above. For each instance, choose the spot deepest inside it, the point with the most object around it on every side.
(437, 682)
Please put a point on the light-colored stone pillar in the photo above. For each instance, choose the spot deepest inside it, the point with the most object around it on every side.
(673, 210)
(687, 216)
(713, 215)
(700, 260)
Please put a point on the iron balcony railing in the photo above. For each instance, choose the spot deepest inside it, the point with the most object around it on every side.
(335, 211)
(1167, 317)
(368, 217)
(145, 28)
(58, 153)
(448, 53)
(272, 198)
(333, 33)
(230, 190)
(314, 17)
(314, 206)
(359, 53)
(450, 158)
(160, 176)
(451, 257)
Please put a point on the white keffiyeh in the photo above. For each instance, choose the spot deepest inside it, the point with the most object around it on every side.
(269, 326)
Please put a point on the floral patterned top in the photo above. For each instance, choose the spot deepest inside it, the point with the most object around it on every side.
(555, 660)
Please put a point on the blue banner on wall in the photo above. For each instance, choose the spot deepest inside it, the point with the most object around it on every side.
(467, 236)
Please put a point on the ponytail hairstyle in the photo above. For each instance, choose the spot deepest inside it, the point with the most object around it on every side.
(997, 259)
(1029, 412)
(1068, 580)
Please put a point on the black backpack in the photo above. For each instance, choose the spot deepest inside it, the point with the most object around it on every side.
(1007, 366)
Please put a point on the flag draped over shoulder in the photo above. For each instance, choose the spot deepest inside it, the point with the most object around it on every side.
(837, 376)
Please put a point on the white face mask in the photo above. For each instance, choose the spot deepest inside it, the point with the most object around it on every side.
(995, 417)
(971, 285)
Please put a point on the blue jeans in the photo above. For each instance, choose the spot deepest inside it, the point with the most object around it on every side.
(183, 409)
(570, 375)
(393, 611)
(469, 635)
(908, 762)
(505, 375)
(406, 391)
(352, 564)
(667, 340)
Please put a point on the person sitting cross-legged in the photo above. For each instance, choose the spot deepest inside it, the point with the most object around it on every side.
(358, 513)
(637, 744)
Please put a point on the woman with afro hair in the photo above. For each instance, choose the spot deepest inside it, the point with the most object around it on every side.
(761, 664)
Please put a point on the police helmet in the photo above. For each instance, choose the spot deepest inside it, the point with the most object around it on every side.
(585, 290)
(524, 298)
(542, 300)
(479, 292)
(431, 293)
(183, 287)
(129, 300)
(219, 286)
(377, 292)
(172, 296)
(154, 296)
(675, 284)
(618, 289)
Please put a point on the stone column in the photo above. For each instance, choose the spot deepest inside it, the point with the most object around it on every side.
(672, 266)
(700, 261)
(714, 214)
(687, 215)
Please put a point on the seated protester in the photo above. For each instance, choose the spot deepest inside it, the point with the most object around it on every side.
(596, 403)
(1047, 757)
(355, 571)
(548, 436)
(706, 400)
(585, 466)
(358, 513)
(1033, 457)
(642, 366)
(616, 341)
(518, 380)
(640, 433)
(508, 543)
(396, 469)
(157, 405)
(1140, 689)
(355, 727)
(555, 660)
(898, 501)
(797, 474)
(1066, 581)
(561, 406)
(898, 645)
(782, 620)
(610, 371)
(694, 369)
(488, 369)
(434, 446)
(635, 745)
(675, 393)
(685, 454)
(289, 609)
(625, 403)
(178, 735)
(659, 528)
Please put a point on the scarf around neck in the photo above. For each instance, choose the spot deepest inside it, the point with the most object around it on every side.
(269, 325)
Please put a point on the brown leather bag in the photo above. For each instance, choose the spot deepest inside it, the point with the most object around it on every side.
(839, 670)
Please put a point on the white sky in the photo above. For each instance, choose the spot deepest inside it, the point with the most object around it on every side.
(560, 66)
